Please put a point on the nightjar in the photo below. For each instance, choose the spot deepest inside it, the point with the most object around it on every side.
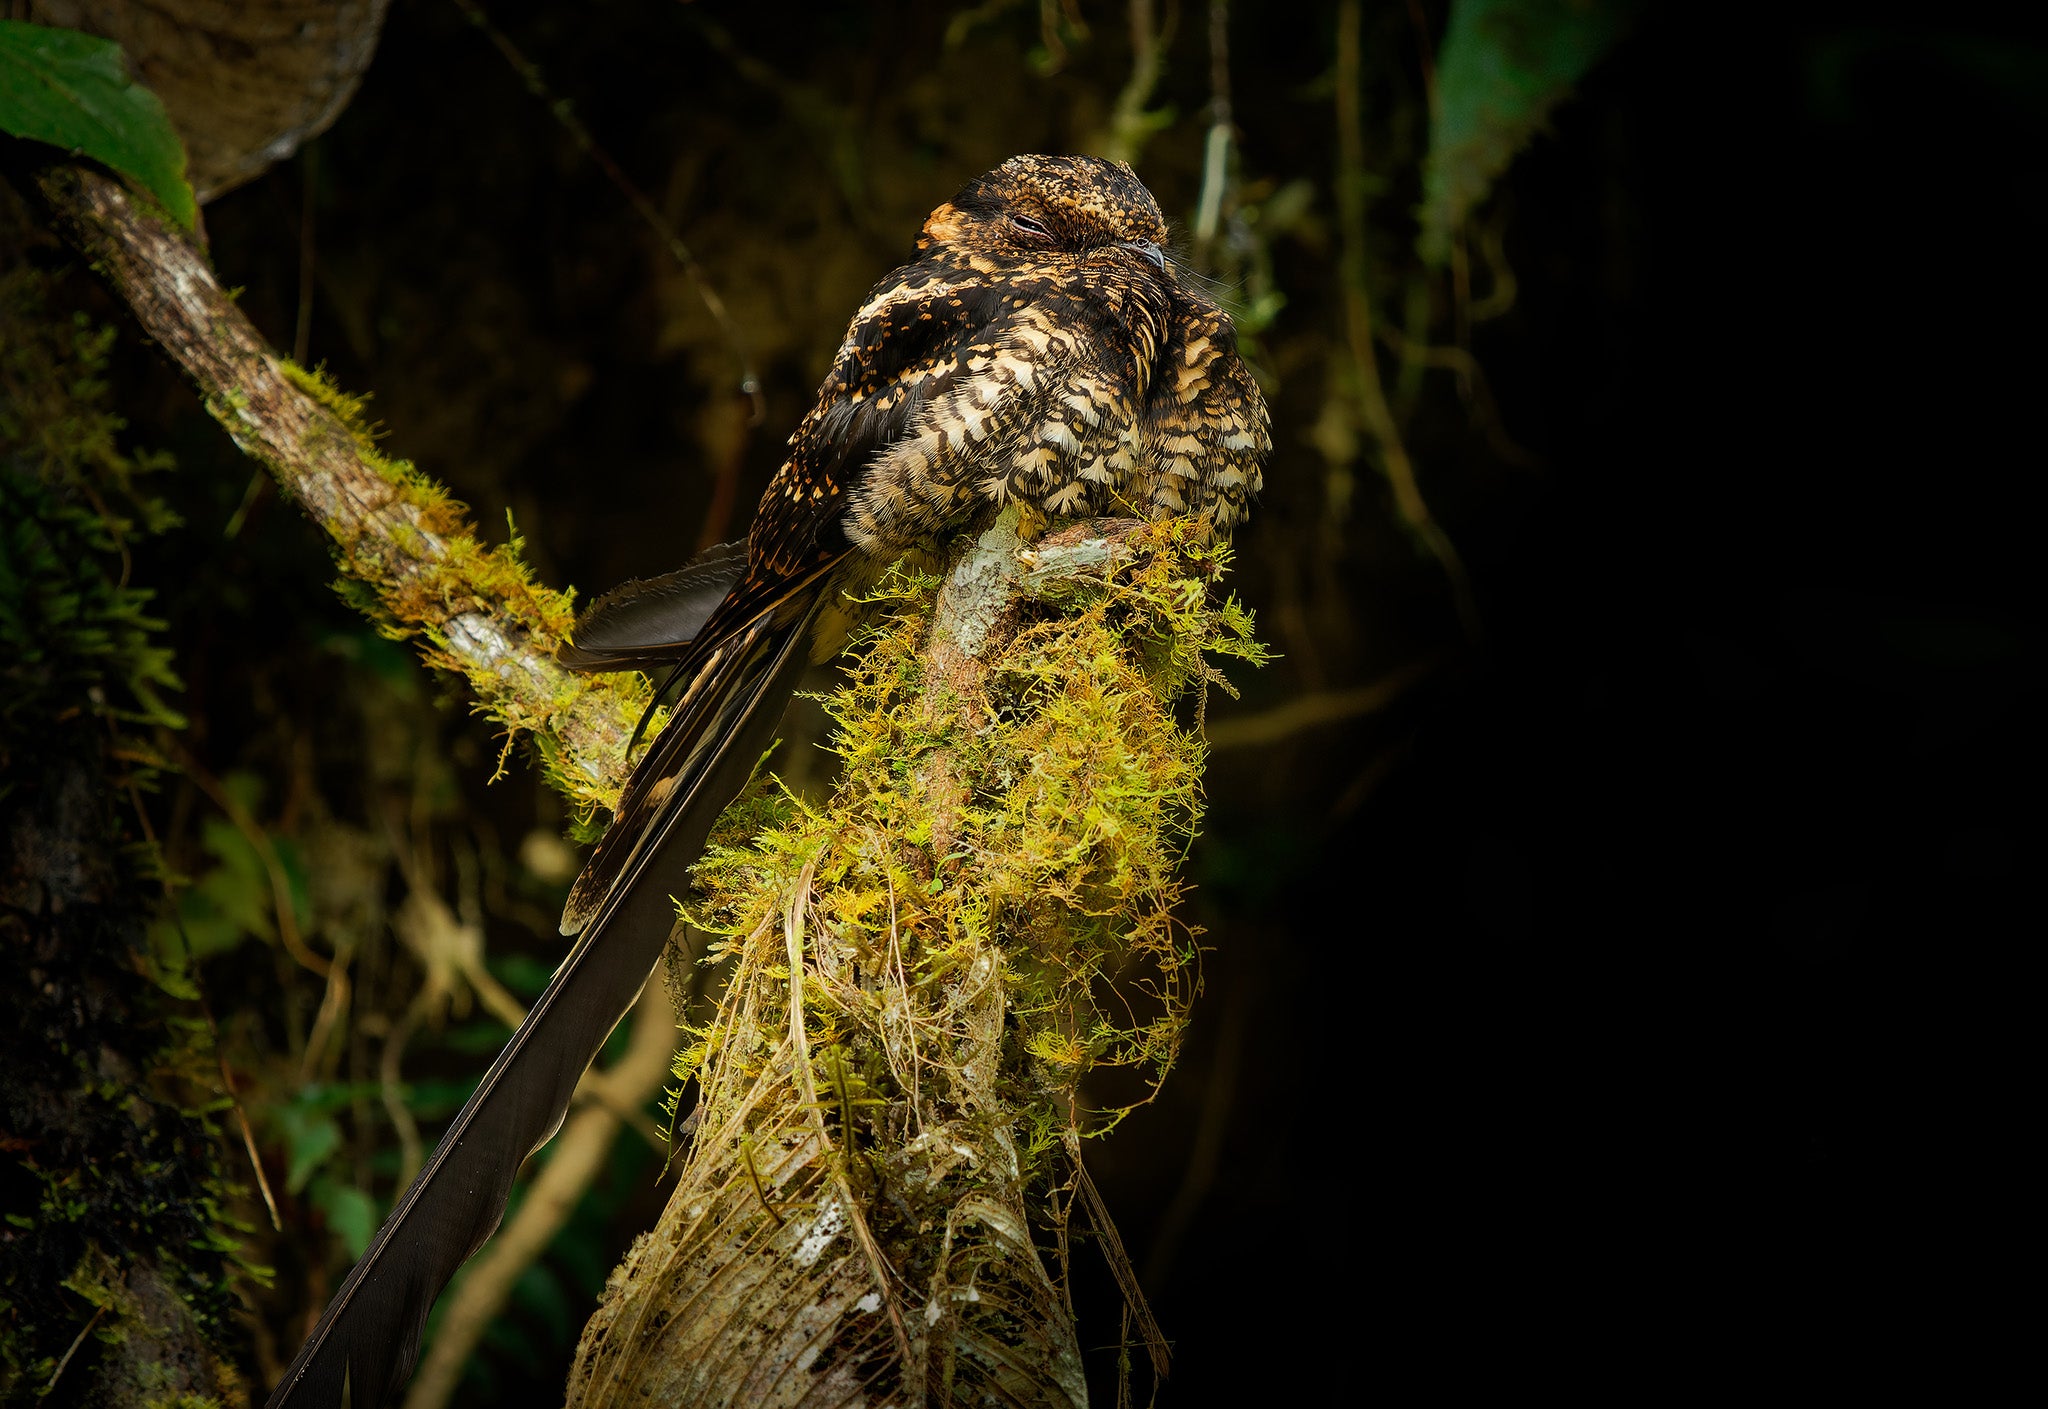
(1041, 347)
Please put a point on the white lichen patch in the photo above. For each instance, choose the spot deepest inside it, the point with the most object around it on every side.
(829, 1224)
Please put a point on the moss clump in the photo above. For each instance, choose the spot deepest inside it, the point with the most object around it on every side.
(71, 503)
(967, 954)
(446, 573)
(1075, 793)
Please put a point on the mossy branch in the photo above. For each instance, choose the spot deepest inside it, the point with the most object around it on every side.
(407, 551)
(923, 972)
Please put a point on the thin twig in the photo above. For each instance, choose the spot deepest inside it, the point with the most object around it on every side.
(1130, 125)
(57, 1373)
(1311, 711)
(1373, 410)
(1501, 297)
(530, 74)
(227, 1078)
(334, 1005)
(1425, 50)
(1216, 146)
(389, 1085)
(725, 484)
(769, 1205)
(965, 22)
(1473, 388)
(902, 979)
(1119, 1260)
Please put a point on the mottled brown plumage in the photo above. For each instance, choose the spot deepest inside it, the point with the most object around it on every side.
(1040, 348)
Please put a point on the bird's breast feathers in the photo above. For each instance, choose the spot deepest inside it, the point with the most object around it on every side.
(1083, 385)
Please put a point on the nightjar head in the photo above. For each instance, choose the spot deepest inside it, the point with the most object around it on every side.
(1037, 207)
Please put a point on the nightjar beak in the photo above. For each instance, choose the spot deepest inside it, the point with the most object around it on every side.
(1149, 251)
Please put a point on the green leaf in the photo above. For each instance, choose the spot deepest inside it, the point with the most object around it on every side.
(177, 984)
(310, 1138)
(73, 91)
(350, 1212)
(335, 1095)
(298, 880)
(430, 1100)
(232, 901)
(1503, 66)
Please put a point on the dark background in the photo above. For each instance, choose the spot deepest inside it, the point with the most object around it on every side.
(1620, 1005)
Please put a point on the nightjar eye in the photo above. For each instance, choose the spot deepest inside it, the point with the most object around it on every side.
(1030, 229)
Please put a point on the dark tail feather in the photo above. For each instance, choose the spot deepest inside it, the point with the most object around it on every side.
(654, 702)
(724, 645)
(649, 623)
(370, 1335)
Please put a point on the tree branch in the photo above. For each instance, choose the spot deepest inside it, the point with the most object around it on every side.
(476, 608)
(924, 969)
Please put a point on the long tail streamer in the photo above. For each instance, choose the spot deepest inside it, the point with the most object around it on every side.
(363, 1349)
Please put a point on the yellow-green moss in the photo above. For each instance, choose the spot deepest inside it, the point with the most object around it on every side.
(936, 976)
(458, 574)
(1082, 792)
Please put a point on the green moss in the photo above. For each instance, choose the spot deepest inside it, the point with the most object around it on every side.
(1079, 791)
(112, 1167)
(938, 977)
(449, 573)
